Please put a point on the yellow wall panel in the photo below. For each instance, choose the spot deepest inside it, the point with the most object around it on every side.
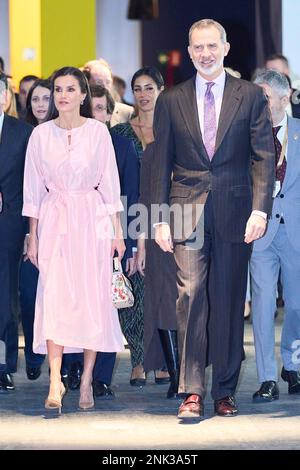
(68, 33)
(49, 34)
(25, 38)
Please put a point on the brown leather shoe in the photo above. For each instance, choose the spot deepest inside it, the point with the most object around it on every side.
(192, 407)
(226, 406)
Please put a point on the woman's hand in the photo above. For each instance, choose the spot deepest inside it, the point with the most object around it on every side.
(131, 265)
(25, 246)
(32, 250)
(118, 245)
(141, 256)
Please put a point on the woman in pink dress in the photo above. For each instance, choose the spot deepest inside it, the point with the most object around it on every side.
(72, 197)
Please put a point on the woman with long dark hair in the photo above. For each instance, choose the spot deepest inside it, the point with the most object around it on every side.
(72, 196)
(37, 103)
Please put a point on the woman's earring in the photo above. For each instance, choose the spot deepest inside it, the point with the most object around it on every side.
(81, 102)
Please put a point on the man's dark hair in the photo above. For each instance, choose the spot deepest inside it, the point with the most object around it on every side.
(278, 57)
(98, 91)
(2, 66)
(28, 78)
(3, 79)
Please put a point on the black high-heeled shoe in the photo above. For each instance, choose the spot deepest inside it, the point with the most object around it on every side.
(161, 380)
(138, 381)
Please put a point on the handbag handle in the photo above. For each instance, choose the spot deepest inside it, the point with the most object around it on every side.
(117, 267)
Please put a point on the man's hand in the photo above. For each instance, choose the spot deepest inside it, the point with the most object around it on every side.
(255, 228)
(163, 237)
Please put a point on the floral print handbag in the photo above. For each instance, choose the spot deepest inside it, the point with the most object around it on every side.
(122, 295)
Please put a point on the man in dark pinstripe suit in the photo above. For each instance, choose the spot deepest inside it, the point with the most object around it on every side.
(213, 147)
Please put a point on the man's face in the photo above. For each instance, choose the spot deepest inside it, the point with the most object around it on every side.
(23, 92)
(207, 51)
(99, 108)
(101, 75)
(279, 65)
(277, 104)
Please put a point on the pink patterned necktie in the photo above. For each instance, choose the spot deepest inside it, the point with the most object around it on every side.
(210, 120)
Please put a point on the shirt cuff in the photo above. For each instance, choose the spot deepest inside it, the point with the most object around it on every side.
(260, 213)
(160, 223)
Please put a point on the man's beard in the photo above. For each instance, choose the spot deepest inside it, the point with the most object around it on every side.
(208, 70)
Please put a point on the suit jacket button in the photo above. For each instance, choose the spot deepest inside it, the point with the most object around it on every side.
(277, 216)
(281, 195)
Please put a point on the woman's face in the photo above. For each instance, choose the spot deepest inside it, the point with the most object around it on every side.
(40, 102)
(67, 94)
(145, 92)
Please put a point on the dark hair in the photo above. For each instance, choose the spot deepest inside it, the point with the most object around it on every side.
(151, 72)
(98, 91)
(2, 67)
(86, 108)
(30, 117)
(118, 81)
(278, 57)
(3, 79)
(28, 78)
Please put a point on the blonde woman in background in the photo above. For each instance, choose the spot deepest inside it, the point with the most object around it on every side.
(10, 107)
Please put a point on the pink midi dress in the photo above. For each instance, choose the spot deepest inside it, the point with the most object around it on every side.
(73, 189)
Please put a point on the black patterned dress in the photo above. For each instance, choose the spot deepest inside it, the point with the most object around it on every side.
(132, 319)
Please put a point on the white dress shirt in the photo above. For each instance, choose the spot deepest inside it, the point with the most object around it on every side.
(217, 90)
(1, 123)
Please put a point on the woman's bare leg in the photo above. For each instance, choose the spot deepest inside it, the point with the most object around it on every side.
(55, 353)
(86, 389)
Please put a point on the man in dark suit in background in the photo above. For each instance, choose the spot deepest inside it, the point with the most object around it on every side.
(14, 137)
(214, 133)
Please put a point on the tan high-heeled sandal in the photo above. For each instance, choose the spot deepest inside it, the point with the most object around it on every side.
(86, 404)
(54, 404)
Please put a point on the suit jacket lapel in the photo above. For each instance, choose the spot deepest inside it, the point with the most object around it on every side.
(187, 102)
(293, 152)
(230, 104)
(4, 141)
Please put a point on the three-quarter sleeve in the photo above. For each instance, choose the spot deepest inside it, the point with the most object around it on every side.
(109, 184)
(34, 187)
